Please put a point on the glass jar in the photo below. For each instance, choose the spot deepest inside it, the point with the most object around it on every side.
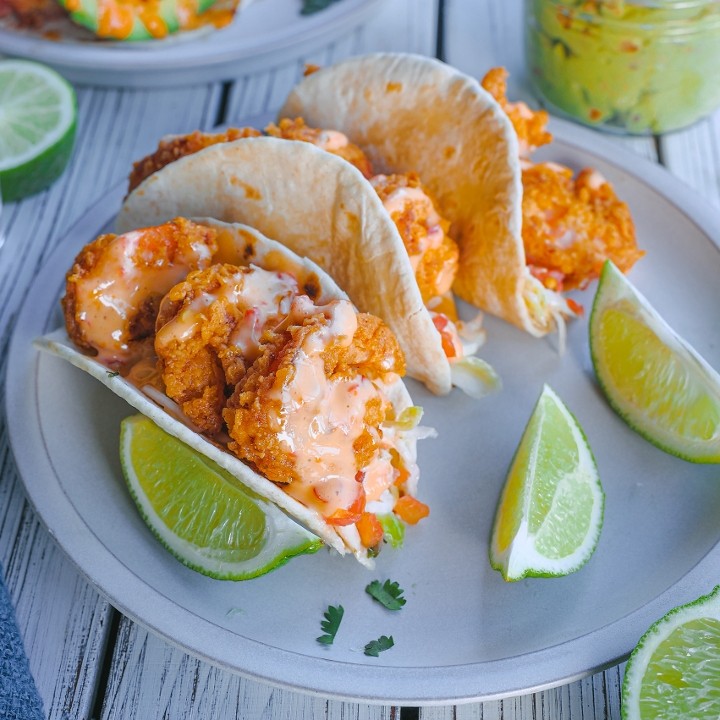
(635, 66)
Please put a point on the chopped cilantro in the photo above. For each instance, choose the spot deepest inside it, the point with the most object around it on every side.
(312, 6)
(331, 623)
(375, 647)
(112, 373)
(389, 594)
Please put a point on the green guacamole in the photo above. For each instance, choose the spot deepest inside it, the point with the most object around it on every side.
(637, 67)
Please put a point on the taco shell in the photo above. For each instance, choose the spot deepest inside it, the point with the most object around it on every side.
(323, 208)
(240, 245)
(416, 114)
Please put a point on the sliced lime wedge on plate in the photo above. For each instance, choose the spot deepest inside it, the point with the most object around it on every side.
(37, 127)
(204, 516)
(674, 672)
(550, 512)
(652, 378)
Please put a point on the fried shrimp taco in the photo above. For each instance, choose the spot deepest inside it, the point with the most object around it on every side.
(254, 357)
(413, 114)
(315, 196)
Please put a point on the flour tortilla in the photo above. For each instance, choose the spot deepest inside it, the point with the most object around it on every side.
(237, 242)
(412, 113)
(321, 207)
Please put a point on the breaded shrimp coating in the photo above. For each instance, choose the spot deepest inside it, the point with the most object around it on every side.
(529, 124)
(571, 226)
(330, 140)
(114, 288)
(175, 148)
(433, 254)
(310, 391)
(209, 329)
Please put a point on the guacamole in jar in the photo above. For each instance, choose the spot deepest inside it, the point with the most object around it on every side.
(636, 67)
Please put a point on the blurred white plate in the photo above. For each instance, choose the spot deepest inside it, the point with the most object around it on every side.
(464, 634)
(266, 33)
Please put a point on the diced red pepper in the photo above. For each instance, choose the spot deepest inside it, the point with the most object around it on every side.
(577, 308)
(370, 529)
(410, 509)
(350, 515)
(441, 324)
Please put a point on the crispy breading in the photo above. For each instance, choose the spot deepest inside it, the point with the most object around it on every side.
(436, 264)
(175, 148)
(197, 346)
(571, 226)
(117, 281)
(254, 413)
(529, 124)
(297, 130)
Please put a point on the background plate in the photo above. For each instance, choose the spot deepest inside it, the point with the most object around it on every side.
(267, 33)
(464, 633)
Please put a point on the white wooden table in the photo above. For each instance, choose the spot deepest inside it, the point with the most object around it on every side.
(88, 660)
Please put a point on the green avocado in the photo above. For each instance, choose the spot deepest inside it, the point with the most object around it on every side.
(637, 68)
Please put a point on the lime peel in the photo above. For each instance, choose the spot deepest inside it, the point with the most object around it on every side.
(656, 382)
(674, 672)
(38, 111)
(550, 513)
(206, 518)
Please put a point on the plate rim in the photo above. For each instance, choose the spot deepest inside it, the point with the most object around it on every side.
(169, 66)
(449, 684)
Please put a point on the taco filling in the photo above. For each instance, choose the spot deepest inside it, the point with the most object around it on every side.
(570, 224)
(433, 253)
(300, 388)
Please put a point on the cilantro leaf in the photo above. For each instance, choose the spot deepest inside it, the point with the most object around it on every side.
(375, 647)
(389, 594)
(331, 623)
(312, 6)
(112, 374)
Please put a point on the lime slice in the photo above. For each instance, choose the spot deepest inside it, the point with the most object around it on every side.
(652, 378)
(548, 520)
(37, 127)
(204, 516)
(674, 672)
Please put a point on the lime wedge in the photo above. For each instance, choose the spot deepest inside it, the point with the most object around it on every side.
(548, 520)
(652, 378)
(674, 672)
(204, 516)
(37, 127)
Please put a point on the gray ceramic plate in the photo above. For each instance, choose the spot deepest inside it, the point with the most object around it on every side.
(464, 634)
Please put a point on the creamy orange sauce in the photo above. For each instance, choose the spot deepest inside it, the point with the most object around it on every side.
(395, 204)
(262, 295)
(332, 140)
(117, 287)
(321, 419)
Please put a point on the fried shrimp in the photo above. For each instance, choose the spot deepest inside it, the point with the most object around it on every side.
(433, 254)
(571, 226)
(175, 148)
(209, 330)
(330, 140)
(529, 124)
(307, 412)
(114, 288)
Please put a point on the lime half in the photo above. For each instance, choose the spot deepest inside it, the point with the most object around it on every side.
(37, 127)
(550, 512)
(674, 672)
(652, 378)
(204, 516)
